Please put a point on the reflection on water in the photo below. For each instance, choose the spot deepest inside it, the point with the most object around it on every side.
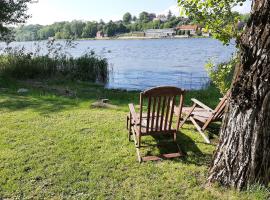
(140, 64)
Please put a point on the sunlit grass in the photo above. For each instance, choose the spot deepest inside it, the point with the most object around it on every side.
(58, 147)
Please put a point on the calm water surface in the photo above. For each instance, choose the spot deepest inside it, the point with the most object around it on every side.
(141, 64)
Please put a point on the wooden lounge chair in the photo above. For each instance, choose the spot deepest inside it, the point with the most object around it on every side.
(160, 102)
(199, 113)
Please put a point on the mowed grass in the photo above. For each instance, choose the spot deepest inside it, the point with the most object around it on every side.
(57, 147)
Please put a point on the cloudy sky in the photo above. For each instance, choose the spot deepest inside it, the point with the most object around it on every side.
(50, 11)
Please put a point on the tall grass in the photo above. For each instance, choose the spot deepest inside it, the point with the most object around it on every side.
(19, 64)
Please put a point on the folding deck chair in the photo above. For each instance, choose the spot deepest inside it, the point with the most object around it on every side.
(199, 113)
(160, 102)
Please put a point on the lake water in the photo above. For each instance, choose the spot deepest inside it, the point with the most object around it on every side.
(141, 64)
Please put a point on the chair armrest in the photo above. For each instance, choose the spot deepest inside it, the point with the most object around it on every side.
(133, 113)
(202, 105)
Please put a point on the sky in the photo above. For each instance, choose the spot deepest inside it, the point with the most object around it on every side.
(49, 11)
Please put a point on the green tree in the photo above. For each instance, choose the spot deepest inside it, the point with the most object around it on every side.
(67, 31)
(151, 16)
(144, 17)
(76, 28)
(242, 156)
(90, 30)
(156, 24)
(127, 18)
(11, 13)
(46, 32)
(121, 28)
(216, 16)
(134, 18)
(26, 33)
(110, 29)
(169, 16)
(245, 17)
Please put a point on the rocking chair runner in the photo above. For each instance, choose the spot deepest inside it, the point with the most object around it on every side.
(200, 113)
(158, 118)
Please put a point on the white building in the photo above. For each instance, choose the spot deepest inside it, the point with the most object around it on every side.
(159, 33)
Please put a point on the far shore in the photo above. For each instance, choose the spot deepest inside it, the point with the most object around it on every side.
(128, 38)
(142, 38)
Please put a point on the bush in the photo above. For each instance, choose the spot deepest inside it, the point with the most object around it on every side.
(19, 64)
(222, 74)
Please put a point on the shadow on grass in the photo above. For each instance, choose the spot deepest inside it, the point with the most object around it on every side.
(164, 145)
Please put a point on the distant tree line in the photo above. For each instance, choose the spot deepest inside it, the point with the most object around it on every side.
(87, 29)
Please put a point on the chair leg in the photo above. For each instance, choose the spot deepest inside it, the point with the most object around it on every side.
(200, 130)
(128, 127)
(137, 146)
(139, 141)
(127, 122)
(188, 115)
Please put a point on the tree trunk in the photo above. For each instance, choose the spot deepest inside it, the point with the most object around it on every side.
(243, 154)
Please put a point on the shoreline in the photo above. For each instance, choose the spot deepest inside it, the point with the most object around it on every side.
(142, 38)
(122, 38)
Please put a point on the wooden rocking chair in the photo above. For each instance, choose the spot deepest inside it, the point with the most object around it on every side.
(200, 113)
(158, 118)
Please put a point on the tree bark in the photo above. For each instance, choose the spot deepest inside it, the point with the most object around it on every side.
(242, 157)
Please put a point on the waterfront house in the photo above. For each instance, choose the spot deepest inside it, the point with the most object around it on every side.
(159, 33)
(100, 34)
(193, 29)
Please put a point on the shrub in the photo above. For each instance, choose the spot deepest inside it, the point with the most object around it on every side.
(222, 74)
(19, 64)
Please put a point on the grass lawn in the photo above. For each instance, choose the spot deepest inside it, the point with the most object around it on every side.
(53, 146)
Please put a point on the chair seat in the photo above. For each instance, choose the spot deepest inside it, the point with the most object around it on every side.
(199, 114)
(144, 126)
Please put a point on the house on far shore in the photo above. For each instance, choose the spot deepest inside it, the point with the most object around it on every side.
(191, 28)
(100, 34)
(160, 33)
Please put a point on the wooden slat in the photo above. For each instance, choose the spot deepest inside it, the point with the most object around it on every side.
(133, 113)
(171, 112)
(179, 114)
(136, 143)
(148, 114)
(200, 130)
(153, 114)
(202, 105)
(158, 111)
(141, 111)
(220, 111)
(161, 157)
(163, 91)
(162, 113)
(167, 113)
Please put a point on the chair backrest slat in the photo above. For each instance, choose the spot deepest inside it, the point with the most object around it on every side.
(162, 113)
(167, 113)
(148, 113)
(171, 112)
(219, 110)
(141, 111)
(160, 108)
(158, 114)
(153, 113)
(181, 102)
